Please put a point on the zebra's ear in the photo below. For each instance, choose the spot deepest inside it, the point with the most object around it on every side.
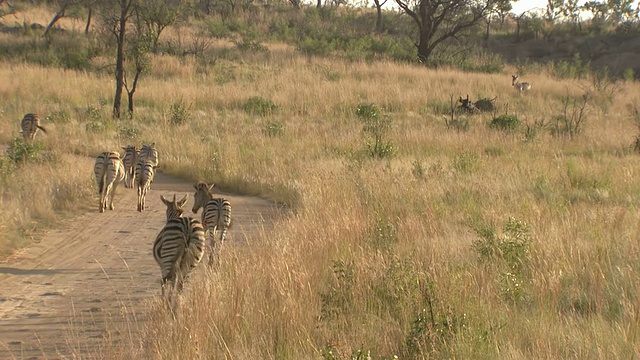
(165, 201)
(195, 186)
(183, 201)
(211, 186)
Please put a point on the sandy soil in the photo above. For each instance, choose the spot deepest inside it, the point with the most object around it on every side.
(86, 282)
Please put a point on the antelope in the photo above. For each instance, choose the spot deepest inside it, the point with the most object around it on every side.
(520, 86)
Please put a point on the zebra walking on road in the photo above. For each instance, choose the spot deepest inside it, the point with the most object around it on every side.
(148, 155)
(129, 161)
(145, 171)
(216, 215)
(30, 125)
(179, 246)
(109, 172)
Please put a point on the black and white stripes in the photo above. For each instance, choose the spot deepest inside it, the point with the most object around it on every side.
(216, 215)
(179, 246)
(109, 172)
(30, 125)
(130, 159)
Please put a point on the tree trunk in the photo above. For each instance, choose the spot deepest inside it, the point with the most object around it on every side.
(133, 90)
(319, 4)
(59, 15)
(424, 47)
(379, 19)
(89, 13)
(486, 35)
(120, 31)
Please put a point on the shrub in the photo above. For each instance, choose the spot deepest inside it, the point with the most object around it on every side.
(256, 105)
(179, 112)
(505, 122)
(509, 251)
(21, 151)
(376, 126)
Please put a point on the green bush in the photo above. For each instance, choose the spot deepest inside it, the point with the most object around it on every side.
(376, 126)
(509, 252)
(505, 122)
(21, 151)
(256, 105)
(179, 112)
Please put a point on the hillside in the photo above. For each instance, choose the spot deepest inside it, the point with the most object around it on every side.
(618, 52)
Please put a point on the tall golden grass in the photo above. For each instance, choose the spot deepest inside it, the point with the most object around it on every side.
(378, 256)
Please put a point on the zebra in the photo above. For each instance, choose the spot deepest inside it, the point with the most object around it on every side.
(174, 209)
(179, 246)
(148, 153)
(129, 161)
(520, 86)
(145, 171)
(109, 172)
(216, 214)
(30, 125)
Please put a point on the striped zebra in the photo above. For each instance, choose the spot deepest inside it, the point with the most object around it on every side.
(30, 125)
(130, 160)
(148, 154)
(145, 171)
(179, 246)
(216, 214)
(109, 172)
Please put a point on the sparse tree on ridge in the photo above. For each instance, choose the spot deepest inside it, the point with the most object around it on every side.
(439, 20)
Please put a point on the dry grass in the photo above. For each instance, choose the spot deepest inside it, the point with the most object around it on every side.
(373, 243)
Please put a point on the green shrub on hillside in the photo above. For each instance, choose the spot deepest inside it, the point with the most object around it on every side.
(505, 122)
(376, 125)
(257, 105)
(21, 151)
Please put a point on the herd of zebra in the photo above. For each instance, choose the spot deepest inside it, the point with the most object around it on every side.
(180, 244)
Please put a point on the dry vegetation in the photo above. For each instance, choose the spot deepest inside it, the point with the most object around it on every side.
(412, 255)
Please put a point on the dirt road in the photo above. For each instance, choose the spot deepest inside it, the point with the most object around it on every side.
(88, 281)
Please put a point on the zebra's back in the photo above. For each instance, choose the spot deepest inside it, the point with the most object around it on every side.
(130, 159)
(30, 124)
(178, 248)
(109, 172)
(145, 171)
(148, 153)
(100, 164)
(216, 217)
(217, 213)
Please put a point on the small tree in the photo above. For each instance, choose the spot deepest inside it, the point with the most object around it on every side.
(157, 15)
(377, 126)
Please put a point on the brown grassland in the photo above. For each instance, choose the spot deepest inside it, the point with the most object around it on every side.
(464, 244)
